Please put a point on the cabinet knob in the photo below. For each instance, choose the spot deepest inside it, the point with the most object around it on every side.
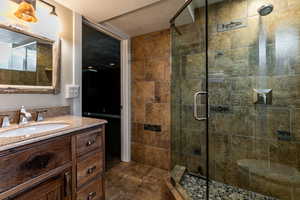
(91, 170)
(90, 142)
(91, 195)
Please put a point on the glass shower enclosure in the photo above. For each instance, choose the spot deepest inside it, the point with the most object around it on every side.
(236, 98)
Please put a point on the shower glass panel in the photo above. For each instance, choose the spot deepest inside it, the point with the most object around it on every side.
(188, 78)
(254, 99)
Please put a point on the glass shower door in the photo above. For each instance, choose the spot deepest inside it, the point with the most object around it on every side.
(189, 148)
(253, 84)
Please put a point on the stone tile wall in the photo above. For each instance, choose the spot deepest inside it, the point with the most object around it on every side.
(151, 75)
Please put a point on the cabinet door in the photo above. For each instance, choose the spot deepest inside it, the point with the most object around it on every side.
(32, 161)
(53, 189)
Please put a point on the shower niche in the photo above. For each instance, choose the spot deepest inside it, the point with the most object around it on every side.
(262, 96)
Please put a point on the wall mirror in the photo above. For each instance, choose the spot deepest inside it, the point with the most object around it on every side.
(28, 63)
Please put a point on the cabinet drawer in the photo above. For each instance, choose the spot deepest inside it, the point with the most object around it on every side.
(37, 159)
(92, 191)
(89, 141)
(89, 166)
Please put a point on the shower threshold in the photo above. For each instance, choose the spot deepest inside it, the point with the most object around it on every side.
(185, 186)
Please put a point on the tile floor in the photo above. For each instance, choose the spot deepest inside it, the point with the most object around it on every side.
(133, 181)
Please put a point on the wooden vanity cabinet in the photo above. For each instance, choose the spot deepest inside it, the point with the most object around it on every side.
(62, 168)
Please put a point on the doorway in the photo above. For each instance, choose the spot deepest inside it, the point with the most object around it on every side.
(101, 86)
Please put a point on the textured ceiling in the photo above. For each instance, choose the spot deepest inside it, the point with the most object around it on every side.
(134, 17)
(152, 18)
(156, 17)
(101, 10)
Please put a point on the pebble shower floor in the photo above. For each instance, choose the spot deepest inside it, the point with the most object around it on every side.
(196, 188)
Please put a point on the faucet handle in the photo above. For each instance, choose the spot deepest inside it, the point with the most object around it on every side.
(23, 109)
(39, 115)
(5, 121)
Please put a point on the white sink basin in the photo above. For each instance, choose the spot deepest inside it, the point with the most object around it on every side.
(33, 129)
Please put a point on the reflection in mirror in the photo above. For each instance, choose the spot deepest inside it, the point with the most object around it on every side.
(25, 60)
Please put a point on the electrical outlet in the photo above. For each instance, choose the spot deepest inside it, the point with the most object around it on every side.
(72, 91)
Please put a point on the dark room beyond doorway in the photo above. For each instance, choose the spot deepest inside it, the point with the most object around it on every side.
(101, 86)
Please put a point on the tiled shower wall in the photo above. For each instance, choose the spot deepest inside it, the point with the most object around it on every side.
(151, 99)
(245, 148)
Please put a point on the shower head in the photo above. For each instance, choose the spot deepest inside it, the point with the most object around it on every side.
(265, 9)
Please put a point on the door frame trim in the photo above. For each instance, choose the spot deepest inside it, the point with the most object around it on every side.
(125, 83)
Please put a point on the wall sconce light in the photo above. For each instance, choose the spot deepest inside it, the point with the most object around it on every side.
(26, 11)
(53, 12)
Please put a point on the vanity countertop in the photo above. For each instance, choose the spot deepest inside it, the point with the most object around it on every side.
(75, 123)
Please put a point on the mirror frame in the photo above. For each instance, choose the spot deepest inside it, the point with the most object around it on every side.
(56, 72)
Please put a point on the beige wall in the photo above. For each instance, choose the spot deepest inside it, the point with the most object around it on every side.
(13, 101)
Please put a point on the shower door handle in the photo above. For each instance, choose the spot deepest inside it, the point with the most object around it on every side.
(195, 105)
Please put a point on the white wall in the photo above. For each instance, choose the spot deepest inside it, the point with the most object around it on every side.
(77, 61)
(13, 101)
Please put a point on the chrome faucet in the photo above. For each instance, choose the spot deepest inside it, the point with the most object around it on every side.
(24, 116)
